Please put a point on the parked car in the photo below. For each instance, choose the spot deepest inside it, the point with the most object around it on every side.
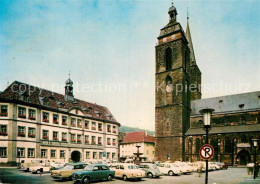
(169, 169)
(184, 168)
(66, 171)
(151, 170)
(214, 165)
(57, 165)
(222, 165)
(129, 171)
(45, 167)
(202, 166)
(95, 172)
(26, 165)
(193, 167)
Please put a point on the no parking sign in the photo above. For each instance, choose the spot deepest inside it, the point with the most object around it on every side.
(206, 152)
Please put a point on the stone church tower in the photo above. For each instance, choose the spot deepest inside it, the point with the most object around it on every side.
(176, 70)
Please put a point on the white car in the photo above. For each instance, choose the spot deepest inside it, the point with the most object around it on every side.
(214, 166)
(169, 169)
(185, 168)
(43, 168)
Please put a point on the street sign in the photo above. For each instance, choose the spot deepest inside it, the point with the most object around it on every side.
(206, 152)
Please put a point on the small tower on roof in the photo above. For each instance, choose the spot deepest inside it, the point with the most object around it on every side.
(172, 13)
(69, 89)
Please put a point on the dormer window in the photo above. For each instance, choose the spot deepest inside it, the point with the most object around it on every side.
(46, 102)
(241, 105)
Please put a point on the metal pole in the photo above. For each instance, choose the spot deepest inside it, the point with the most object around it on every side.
(255, 163)
(207, 141)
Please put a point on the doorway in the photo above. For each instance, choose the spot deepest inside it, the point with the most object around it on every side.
(75, 156)
(243, 157)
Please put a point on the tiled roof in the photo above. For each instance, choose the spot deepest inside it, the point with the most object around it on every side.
(36, 96)
(134, 137)
(225, 129)
(230, 103)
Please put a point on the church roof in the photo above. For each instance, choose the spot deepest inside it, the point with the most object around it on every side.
(37, 96)
(230, 103)
(135, 137)
(225, 129)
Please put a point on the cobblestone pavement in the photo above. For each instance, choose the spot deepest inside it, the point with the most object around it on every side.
(230, 176)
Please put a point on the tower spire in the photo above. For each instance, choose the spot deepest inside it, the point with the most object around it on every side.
(188, 36)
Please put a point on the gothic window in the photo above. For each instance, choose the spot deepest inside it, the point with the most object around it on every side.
(197, 145)
(227, 146)
(214, 144)
(227, 121)
(168, 58)
(200, 123)
(243, 120)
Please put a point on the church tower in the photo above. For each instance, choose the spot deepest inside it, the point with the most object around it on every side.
(172, 108)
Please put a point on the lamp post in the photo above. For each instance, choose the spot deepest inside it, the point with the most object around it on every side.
(255, 145)
(218, 157)
(206, 120)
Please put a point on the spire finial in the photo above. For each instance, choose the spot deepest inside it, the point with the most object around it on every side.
(188, 15)
(172, 3)
(69, 74)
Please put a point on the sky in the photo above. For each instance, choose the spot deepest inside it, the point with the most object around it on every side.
(108, 47)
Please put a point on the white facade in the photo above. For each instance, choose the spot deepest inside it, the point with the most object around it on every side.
(32, 133)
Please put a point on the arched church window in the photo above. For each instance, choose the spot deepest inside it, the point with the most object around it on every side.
(227, 145)
(168, 58)
(197, 146)
(244, 139)
(200, 123)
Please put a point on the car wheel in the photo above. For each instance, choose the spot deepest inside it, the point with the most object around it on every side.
(124, 177)
(86, 180)
(109, 178)
(149, 175)
(170, 173)
(38, 171)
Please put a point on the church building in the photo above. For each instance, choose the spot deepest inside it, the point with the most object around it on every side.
(178, 124)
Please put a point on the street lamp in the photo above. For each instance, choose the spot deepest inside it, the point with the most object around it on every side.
(255, 146)
(206, 120)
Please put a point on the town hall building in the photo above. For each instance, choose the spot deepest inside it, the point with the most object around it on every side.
(178, 124)
(38, 124)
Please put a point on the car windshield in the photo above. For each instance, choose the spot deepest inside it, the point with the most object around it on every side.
(88, 168)
(132, 167)
(67, 167)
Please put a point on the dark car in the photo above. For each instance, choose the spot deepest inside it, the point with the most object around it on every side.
(95, 172)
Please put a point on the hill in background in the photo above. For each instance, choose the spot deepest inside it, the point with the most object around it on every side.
(126, 129)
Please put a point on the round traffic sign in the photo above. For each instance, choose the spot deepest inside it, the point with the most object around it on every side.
(206, 152)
